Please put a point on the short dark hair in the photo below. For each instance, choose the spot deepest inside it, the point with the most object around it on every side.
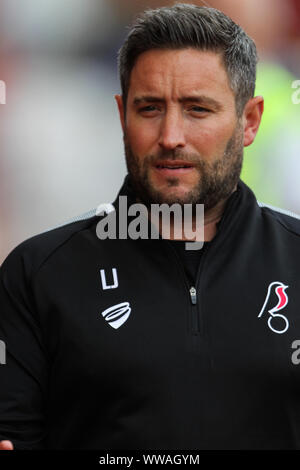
(183, 26)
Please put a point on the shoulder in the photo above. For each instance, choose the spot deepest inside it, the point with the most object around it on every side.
(289, 220)
(30, 255)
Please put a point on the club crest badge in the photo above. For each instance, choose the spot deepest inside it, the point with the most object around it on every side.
(277, 322)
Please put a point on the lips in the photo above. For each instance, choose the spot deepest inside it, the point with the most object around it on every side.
(173, 169)
(173, 165)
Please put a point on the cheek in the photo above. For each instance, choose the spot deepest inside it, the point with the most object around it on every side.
(204, 140)
(210, 140)
(142, 137)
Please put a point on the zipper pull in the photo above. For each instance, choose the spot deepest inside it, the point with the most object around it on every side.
(193, 294)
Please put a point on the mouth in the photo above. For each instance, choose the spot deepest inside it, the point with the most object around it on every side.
(173, 167)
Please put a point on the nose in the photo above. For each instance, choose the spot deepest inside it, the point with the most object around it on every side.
(172, 130)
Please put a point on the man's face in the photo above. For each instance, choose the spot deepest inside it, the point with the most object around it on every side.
(183, 140)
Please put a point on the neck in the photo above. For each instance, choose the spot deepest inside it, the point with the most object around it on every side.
(211, 218)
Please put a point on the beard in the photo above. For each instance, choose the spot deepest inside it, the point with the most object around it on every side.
(216, 179)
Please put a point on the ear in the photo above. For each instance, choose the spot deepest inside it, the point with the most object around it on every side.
(119, 100)
(251, 118)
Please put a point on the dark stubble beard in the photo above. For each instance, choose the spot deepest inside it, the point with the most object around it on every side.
(217, 180)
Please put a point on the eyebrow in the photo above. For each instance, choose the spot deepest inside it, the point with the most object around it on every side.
(185, 99)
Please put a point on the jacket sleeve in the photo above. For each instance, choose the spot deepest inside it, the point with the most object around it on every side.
(24, 365)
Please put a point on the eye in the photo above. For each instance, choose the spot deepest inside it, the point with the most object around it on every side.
(199, 109)
(149, 111)
(148, 108)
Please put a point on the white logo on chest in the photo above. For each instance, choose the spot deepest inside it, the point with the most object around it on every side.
(117, 314)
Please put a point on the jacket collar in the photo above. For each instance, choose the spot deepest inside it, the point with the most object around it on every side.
(237, 210)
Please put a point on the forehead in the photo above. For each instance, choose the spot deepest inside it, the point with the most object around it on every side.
(173, 73)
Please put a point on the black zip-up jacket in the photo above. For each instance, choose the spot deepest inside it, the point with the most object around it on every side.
(206, 369)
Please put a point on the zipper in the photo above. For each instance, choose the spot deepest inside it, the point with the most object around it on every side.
(194, 311)
(193, 291)
(193, 294)
(199, 329)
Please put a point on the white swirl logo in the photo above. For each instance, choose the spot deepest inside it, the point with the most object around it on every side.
(117, 314)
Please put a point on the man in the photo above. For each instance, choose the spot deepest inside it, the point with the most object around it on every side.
(141, 344)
